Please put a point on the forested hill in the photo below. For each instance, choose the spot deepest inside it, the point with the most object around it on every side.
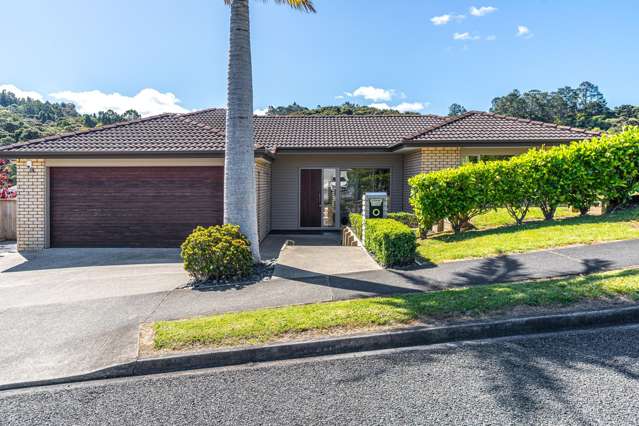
(584, 106)
(346, 108)
(26, 119)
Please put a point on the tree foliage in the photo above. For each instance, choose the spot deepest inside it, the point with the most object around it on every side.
(26, 119)
(346, 108)
(584, 106)
(456, 109)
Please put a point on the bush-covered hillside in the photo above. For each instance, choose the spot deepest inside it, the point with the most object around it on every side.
(26, 119)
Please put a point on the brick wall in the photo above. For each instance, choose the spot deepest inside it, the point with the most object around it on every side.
(263, 188)
(32, 217)
(427, 160)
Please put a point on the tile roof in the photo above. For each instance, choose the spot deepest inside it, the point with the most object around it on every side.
(320, 131)
(481, 127)
(203, 132)
(160, 133)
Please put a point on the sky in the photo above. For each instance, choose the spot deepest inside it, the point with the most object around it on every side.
(414, 55)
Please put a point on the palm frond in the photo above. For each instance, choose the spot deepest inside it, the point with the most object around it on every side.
(305, 5)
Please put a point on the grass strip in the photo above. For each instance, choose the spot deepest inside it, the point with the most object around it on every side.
(500, 217)
(264, 325)
(622, 225)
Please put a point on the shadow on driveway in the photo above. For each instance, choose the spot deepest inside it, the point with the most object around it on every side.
(60, 258)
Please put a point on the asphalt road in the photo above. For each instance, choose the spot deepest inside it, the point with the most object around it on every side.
(588, 377)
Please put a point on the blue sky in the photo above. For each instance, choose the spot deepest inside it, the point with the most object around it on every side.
(391, 50)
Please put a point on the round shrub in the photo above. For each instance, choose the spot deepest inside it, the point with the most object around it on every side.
(217, 253)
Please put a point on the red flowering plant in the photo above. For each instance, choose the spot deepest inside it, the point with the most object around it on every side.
(6, 182)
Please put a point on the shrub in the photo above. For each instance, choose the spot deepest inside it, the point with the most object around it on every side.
(390, 242)
(217, 252)
(580, 174)
(356, 224)
(454, 194)
(581, 184)
(511, 188)
(617, 165)
(408, 219)
(545, 171)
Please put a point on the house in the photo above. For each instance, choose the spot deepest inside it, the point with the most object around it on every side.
(149, 182)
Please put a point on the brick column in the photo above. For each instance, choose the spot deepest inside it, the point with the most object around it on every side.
(427, 160)
(32, 216)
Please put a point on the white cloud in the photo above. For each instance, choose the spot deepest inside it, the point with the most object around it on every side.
(523, 31)
(481, 11)
(381, 105)
(147, 102)
(373, 93)
(410, 106)
(260, 111)
(465, 36)
(445, 19)
(403, 107)
(491, 38)
(21, 93)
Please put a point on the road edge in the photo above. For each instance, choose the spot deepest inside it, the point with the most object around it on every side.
(417, 336)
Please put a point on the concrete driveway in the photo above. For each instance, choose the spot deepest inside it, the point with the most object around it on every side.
(67, 311)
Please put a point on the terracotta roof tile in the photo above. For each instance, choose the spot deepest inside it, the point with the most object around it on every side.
(203, 132)
(477, 126)
(161, 133)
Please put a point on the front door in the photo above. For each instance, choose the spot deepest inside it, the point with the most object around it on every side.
(311, 198)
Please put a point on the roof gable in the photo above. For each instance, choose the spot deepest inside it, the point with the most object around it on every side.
(160, 133)
(477, 126)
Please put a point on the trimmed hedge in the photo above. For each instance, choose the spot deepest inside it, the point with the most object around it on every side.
(408, 219)
(218, 253)
(391, 243)
(356, 224)
(605, 168)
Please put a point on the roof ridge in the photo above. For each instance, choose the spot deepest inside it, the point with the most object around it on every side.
(198, 124)
(448, 121)
(350, 116)
(184, 114)
(82, 132)
(538, 122)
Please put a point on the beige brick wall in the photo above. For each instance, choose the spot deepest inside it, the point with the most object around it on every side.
(32, 217)
(263, 188)
(427, 160)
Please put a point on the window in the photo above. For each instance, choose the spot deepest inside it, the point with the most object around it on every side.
(485, 157)
(354, 183)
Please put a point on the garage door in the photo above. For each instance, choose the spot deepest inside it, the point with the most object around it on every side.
(132, 206)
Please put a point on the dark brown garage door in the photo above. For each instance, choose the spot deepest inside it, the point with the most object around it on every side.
(132, 206)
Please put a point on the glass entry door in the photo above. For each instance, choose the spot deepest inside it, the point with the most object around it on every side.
(318, 198)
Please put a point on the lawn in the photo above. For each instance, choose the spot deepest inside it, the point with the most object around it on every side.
(267, 325)
(622, 225)
(500, 217)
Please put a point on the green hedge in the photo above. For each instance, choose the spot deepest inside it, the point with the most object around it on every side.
(605, 168)
(408, 219)
(390, 242)
(355, 221)
(218, 253)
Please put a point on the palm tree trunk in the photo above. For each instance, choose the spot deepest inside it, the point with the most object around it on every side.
(240, 205)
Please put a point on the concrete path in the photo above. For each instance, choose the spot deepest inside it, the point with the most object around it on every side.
(66, 312)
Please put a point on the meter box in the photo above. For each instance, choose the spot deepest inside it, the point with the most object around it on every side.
(374, 206)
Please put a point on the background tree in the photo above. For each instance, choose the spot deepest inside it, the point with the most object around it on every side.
(23, 119)
(347, 108)
(584, 106)
(456, 109)
(240, 204)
